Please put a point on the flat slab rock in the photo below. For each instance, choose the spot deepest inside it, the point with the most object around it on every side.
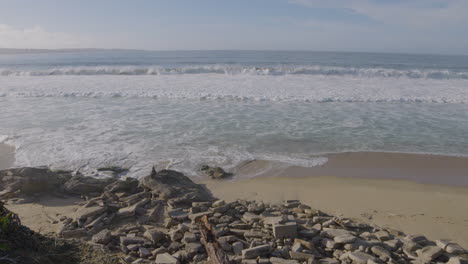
(166, 258)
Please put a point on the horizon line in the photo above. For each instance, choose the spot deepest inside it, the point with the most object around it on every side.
(6, 51)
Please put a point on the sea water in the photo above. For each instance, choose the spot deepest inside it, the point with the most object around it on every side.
(139, 108)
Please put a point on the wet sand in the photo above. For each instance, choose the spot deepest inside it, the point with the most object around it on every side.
(432, 169)
(7, 156)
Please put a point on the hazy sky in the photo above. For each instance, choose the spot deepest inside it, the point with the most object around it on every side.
(427, 26)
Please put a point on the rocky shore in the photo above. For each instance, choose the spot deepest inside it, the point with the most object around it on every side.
(166, 218)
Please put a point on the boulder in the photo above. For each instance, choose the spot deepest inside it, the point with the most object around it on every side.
(102, 237)
(154, 235)
(173, 185)
(30, 180)
(216, 173)
(81, 185)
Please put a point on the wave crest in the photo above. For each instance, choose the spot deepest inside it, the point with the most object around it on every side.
(238, 70)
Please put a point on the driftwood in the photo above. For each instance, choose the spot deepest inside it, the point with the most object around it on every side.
(212, 246)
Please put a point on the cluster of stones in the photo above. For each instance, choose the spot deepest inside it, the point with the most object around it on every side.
(156, 220)
(251, 232)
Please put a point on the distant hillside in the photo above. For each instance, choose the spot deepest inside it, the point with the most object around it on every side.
(35, 51)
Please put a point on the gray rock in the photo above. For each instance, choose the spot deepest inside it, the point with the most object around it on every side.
(254, 252)
(382, 235)
(154, 235)
(218, 203)
(344, 239)
(450, 247)
(327, 261)
(216, 173)
(178, 214)
(30, 181)
(81, 185)
(332, 233)
(193, 247)
(144, 252)
(301, 255)
(275, 260)
(76, 233)
(381, 252)
(308, 233)
(457, 260)
(237, 247)
(360, 257)
(132, 240)
(166, 258)
(250, 217)
(173, 185)
(102, 237)
(189, 237)
(85, 212)
(285, 230)
(429, 253)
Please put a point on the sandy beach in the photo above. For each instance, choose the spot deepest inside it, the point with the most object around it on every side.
(433, 210)
(7, 156)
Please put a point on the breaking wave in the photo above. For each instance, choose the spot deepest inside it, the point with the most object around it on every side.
(239, 70)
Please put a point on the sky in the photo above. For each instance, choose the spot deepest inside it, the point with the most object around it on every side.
(410, 26)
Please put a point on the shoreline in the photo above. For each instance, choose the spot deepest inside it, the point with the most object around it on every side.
(417, 168)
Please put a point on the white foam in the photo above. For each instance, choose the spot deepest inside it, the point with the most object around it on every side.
(304, 88)
(242, 70)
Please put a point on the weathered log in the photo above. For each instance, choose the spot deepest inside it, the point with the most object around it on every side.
(212, 246)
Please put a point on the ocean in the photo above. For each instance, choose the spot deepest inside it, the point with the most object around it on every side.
(84, 110)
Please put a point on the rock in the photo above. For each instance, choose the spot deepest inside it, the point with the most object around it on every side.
(132, 240)
(382, 235)
(129, 185)
(156, 214)
(221, 209)
(102, 237)
(308, 233)
(254, 252)
(193, 247)
(144, 252)
(189, 237)
(332, 233)
(256, 208)
(166, 258)
(237, 247)
(450, 247)
(301, 256)
(218, 203)
(250, 217)
(381, 252)
(327, 261)
(275, 260)
(85, 212)
(344, 239)
(178, 214)
(77, 233)
(216, 173)
(133, 247)
(360, 257)
(292, 203)
(154, 235)
(285, 230)
(429, 253)
(169, 184)
(457, 260)
(81, 185)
